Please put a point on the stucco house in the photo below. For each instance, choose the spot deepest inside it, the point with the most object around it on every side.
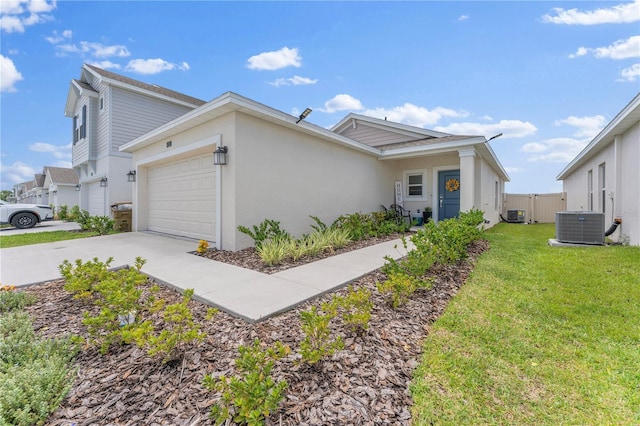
(107, 111)
(282, 167)
(605, 176)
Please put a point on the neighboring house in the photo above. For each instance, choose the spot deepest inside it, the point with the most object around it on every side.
(109, 110)
(21, 191)
(61, 185)
(283, 168)
(605, 176)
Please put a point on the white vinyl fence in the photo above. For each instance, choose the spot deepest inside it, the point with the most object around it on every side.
(538, 208)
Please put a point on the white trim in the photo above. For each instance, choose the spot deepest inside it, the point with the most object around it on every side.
(218, 199)
(181, 150)
(405, 183)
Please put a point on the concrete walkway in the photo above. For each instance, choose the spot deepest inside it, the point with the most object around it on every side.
(245, 293)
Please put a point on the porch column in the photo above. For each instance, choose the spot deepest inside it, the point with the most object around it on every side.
(467, 178)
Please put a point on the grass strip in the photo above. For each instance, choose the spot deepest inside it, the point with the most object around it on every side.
(538, 335)
(7, 241)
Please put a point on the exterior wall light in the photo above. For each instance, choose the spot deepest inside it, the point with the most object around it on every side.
(131, 176)
(304, 115)
(103, 182)
(220, 156)
(78, 187)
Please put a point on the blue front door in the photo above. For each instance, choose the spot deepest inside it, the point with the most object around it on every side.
(448, 194)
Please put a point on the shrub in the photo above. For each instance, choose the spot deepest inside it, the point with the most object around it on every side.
(318, 343)
(400, 286)
(355, 309)
(83, 218)
(74, 213)
(267, 230)
(63, 212)
(35, 375)
(81, 278)
(101, 224)
(249, 397)
(179, 329)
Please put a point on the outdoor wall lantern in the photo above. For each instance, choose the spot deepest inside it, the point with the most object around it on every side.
(131, 176)
(103, 182)
(304, 115)
(55, 191)
(220, 156)
(78, 187)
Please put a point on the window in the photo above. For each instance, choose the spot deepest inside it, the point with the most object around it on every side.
(101, 103)
(590, 190)
(603, 187)
(415, 184)
(76, 135)
(496, 195)
(83, 125)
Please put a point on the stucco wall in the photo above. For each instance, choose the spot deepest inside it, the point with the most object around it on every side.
(622, 187)
(284, 175)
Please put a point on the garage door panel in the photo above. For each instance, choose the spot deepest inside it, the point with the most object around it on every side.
(182, 198)
(96, 197)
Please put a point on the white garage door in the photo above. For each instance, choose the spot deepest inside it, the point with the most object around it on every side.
(96, 196)
(182, 198)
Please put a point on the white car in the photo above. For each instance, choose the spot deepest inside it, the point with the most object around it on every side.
(24, 215)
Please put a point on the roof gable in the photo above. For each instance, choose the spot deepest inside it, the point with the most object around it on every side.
(91, 76)
(628, 117)
(376, 132)
(61, 175)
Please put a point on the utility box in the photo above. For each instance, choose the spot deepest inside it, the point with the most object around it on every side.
(515, 216)
(122, 215)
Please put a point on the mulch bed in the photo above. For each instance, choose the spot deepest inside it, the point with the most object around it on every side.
(367, 383)
(249, 258)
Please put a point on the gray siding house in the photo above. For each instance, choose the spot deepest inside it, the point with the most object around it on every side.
(107, 111)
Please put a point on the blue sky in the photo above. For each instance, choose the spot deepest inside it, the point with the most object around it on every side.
(548, 75)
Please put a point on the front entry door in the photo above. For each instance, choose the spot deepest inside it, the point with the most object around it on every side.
(448, 194)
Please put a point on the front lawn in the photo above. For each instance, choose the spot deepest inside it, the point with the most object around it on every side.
(7, 241)
(538, 335)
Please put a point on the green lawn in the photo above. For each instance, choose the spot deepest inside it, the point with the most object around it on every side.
(7, 241)
(538, 335)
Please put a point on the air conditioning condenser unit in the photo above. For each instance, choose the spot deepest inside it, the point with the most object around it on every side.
(515, 216)
(580, 227)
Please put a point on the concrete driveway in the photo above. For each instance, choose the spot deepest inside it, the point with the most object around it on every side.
(50, 225)
(245, 293)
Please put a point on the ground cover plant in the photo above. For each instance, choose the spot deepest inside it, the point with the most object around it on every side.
(538, 335)
(35, 372)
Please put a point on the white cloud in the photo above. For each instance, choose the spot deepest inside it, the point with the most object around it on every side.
(58, 152)
(509, 128)
(15, 15)
(586, 127)
(414, 115)
(275, 60)
(534, 147)
(623, 13)
(97, 50)
(58, 38)
(10, 75)
(630, 74)
(620, 49)
(154, 66)
(342, 102)
(557, 150)
(463, 17)
(15, 173)
(105, 65)
(511, 170)
(296, 80)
